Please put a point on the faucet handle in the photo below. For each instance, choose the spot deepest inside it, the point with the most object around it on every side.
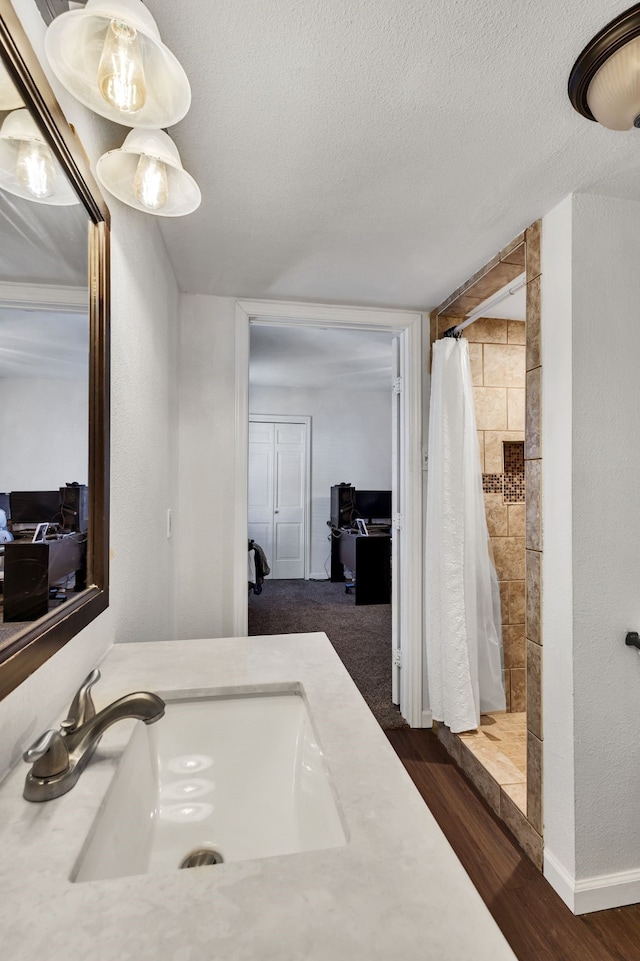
(82, 707)
(48, 754)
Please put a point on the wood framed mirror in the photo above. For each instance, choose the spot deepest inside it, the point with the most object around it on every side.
(80, 223)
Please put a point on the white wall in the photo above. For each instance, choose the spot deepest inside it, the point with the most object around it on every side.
(43, 433)
(591, 345)
(557, 570)
(350, 441)
(144, 313)
(206, 453)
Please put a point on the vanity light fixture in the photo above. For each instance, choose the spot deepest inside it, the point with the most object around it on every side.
(604, 84)
(146, 173)
(109, 55)
(28, 169)
(10, 99)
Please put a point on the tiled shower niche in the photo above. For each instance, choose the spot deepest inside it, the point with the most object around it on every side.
(509, 483)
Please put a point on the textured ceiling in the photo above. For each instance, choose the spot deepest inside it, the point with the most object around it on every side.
(43, 344)
(42, 244)
(318, 359)
(378, 151)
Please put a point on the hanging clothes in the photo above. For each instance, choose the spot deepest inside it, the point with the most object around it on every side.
(463, 623)
(259, 567)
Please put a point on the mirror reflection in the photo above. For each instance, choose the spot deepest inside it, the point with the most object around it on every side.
(44, 368)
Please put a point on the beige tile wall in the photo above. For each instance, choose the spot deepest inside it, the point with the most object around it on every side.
(498, 364)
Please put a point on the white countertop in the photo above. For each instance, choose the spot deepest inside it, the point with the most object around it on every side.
(396, 890)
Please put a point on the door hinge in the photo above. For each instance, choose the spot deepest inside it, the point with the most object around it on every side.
(397, 522)
(397, 385)
(397, 657)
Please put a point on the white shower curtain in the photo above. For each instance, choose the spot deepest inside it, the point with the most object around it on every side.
(463, 626)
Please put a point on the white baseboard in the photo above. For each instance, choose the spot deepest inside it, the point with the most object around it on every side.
(592, 894)
(318, 577)
(426, 719)
(559, 879)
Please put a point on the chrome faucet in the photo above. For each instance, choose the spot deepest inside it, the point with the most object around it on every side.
(59, 757)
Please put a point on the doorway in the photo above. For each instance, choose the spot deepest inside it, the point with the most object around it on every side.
(342, 380)
(512, 463)
(408, 520)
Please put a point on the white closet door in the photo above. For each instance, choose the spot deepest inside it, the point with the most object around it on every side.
(261, 484)
(277, 494)
(289, 506)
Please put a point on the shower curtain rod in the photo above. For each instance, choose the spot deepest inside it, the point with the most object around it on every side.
(454, 331)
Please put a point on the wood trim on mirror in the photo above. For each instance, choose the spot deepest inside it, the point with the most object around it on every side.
(35, 644)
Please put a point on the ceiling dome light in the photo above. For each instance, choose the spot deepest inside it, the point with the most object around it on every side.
(28, 169)
(604, 84)
(10, 99)
(146, 173)
(109, 55)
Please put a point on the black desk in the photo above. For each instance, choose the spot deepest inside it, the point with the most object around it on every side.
(30, 569)
(369, 557)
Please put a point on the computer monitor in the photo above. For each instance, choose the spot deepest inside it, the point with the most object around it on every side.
(35, 507)
(373, 505)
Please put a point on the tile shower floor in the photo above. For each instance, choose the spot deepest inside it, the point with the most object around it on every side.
(500, 744)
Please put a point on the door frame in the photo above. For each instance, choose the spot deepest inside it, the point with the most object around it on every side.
(306, 420)
(408, 326)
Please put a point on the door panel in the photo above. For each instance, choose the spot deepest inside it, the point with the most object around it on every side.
(287, 542)
(261, 480)
(289, 473)
(290, 492)
(290, 434)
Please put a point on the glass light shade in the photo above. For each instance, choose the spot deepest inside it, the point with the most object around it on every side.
(124, 73)
(614, 93)
(150, 184)
(147, 173)
(10, 99)
(120, 72)
(28, 169)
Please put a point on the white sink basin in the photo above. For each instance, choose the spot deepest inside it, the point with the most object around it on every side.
(240, 774)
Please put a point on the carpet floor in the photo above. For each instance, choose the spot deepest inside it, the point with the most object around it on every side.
(360, 635)
(7, 631)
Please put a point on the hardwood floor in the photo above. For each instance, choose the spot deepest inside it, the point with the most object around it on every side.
(535, 921)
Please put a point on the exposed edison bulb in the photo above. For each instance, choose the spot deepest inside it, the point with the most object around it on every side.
(35, 169)
(120, 72)
(150, 182)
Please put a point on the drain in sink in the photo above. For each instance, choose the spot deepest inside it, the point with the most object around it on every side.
(201, 857)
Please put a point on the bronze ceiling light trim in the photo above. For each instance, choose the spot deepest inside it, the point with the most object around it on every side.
(604, 84)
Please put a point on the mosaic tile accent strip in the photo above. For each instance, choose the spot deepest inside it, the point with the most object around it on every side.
(493, 483)
(513, 456)
(514, 488)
